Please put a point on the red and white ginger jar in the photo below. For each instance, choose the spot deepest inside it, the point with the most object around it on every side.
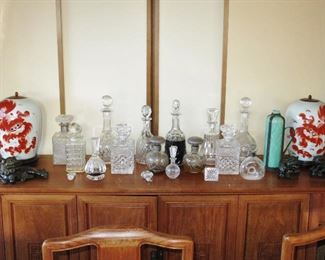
(20, 127)
(307, 119)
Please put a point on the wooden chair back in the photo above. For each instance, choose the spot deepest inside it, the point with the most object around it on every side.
(118, 244)
(291, 241)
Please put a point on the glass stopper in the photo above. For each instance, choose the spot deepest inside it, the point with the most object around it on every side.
(245, 104)
(75, 128)
(228, 131)
(213, 115)
(146, 112)
(64, 119)
(123, 131)
(176, 107)
(107, 102)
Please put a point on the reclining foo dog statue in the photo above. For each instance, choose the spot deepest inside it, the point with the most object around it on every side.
(13, 170)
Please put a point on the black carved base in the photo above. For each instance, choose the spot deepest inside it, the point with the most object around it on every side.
(289, 169)
(318, 170)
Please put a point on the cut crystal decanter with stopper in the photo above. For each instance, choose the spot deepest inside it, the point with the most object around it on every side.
(211, 137)
(172, 170)
(193, 161)
(246, 141)
(142, 145)
(175, 136)
(106, 137)
(156, 160)
(95, 167)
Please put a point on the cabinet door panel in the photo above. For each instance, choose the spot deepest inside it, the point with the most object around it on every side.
(263, 220)
(209, 220)
(30, 219)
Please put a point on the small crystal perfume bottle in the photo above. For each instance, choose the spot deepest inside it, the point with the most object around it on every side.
(75, 150)
(175, 136)
(246, 141)
(122, 151)
(172, 169)
(155, 159)
(228, 150)
(59, 139)
(105, 141)
(193, 161)
(143, 146)
(95, 167)
(211, 137)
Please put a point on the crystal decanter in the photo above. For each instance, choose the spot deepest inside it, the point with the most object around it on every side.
(193, 161)
(211, 137)
(172, 169)
(227, 152)
(156, 160)
(95, 167)
(106, 138)
(175, 136)
(246, 141)
(142, 145)
(59, 139)
(252, 168)
(122, 151)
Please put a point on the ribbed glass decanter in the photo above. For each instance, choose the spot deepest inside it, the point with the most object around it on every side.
(95, 167)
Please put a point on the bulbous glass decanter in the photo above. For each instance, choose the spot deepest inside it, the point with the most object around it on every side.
(246, 141)
(172, 170)
(95, 167)
(142, 145)
(252, 168)
(193, 161)
(211, 137)
(175, 136)
(156, 160)
(106, 137)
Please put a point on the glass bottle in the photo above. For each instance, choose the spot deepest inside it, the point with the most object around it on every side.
(211, 137)
(75, 149)
(95, 167)
(228, 151)
(105, 140)
(59, 139)
(156, 160)
(142, 145)
(175, 136)
(252, 168)
(122, 151)
(172, 170)
(246, 141)
(193, 161)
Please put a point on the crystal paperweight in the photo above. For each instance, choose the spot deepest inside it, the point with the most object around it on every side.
(172, 170)
(95, 167)
(252, 168)
(156, 160)
(193, 161)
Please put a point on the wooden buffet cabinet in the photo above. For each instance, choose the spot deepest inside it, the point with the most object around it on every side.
(229, 219)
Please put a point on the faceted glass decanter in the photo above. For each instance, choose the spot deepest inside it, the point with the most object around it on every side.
(156, 160)
(175, 136)
(252, 168)
(228, 150)
(105, 141)
(75, 150)
(246, 141)
(142, 145)
(193, 161)
(95, 167)
(122, 151)
(59, 139)
(172, 169)
(211, 137)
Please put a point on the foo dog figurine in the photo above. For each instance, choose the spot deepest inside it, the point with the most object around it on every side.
(13, 170)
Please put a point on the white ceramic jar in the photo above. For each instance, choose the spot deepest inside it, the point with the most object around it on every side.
(20, 127)
(306, 117)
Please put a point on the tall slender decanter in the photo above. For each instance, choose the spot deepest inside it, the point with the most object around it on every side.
(175, 136)
(246, 141)
(142, 145)
(106, 137)
(211, 137)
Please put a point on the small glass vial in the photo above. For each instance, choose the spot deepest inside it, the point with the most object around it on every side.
(156, 160)
(75, 150)
(122, 151)
(105, 141)
(173, 170)
(95, 167)
(228, 150)
(59, 139)
(246, 141)
(252, 168)
(175, 136)
(211, 137)
(193, 161)
(142, 145)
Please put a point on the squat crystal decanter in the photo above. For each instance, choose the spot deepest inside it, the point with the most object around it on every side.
(155, 159)
(228, 150)
(246, 141)
(95, 167)
(59, 139)
(122, 152)
(193, 161)
(252, 168)
(211, 137)
(175, 136)
(105, 141)
(142, 145)
(173, 170)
